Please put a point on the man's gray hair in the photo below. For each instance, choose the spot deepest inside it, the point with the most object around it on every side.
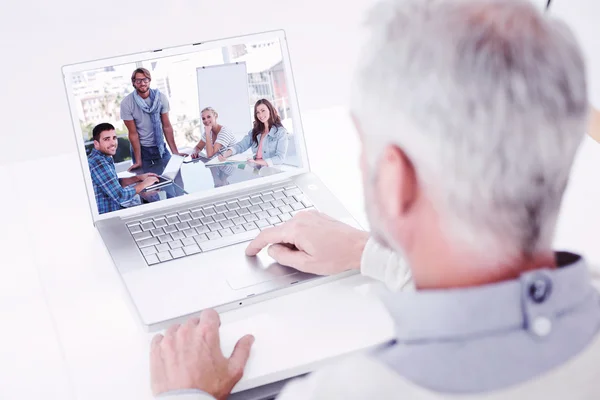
(488, 100)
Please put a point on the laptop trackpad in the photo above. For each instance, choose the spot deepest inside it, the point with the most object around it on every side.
(259, 269)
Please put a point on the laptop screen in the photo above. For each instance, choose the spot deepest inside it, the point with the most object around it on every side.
(173, 167)
(228, 107)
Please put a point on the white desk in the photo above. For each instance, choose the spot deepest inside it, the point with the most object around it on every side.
(31, 362)
(104, 347)
(75, 334)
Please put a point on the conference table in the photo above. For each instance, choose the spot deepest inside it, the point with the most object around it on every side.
(200, 174)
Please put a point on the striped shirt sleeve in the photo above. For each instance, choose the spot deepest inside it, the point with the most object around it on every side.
(225, 138)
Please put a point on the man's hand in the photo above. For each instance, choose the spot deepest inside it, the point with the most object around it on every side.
(189, 357)
(135, 166)
(143, 177)
(313, 242)
(178, 153)
(150, 180)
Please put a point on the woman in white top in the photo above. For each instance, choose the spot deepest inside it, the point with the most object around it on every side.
(215, 137)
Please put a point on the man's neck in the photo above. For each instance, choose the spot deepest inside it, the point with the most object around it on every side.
(463, 269)
(144, 95)
(103, 153)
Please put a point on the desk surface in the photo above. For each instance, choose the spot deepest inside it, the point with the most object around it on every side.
(70, 332)
(93, 346)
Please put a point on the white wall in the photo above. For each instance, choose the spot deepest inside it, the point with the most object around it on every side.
(38, 37)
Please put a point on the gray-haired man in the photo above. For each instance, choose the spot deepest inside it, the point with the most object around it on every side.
(475, 110)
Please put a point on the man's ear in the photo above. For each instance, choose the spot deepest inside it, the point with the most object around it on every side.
(396, 184)
(96, 145)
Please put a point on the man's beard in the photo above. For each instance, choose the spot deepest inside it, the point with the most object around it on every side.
(378, 232)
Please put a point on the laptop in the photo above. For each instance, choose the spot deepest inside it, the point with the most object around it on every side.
(200, 158)
(185, 253)
(169, 173)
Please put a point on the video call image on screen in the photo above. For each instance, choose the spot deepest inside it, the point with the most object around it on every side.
(199, 120)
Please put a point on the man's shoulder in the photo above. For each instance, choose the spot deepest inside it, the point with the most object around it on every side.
(128, 100)
(365, 377)
(594, 269)
(93, 158)
(96, 160)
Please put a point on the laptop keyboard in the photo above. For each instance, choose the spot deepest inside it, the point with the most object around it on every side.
(213, 226)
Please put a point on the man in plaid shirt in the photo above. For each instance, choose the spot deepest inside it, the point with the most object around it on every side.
(112, 192)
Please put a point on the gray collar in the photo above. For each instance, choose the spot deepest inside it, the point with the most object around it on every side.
(530, 302)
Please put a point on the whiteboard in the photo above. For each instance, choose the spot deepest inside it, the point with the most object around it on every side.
(225, 88)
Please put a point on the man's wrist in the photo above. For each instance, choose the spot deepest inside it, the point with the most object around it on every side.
(359, 248)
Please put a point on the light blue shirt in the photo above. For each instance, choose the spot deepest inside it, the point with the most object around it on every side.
(274, 147)
(484, 338)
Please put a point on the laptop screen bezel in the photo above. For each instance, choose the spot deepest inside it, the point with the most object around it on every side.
(69, 70)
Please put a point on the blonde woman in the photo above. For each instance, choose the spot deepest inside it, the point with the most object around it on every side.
(215, 136)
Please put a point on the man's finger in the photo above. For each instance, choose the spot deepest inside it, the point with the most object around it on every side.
(291, 258)
(156, 364)
(239, 357)
(277, 234)
(156, 340)
(210, 317)
(209, 329)
(172, 330)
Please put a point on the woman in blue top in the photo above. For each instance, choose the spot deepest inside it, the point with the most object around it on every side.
(268, 138)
